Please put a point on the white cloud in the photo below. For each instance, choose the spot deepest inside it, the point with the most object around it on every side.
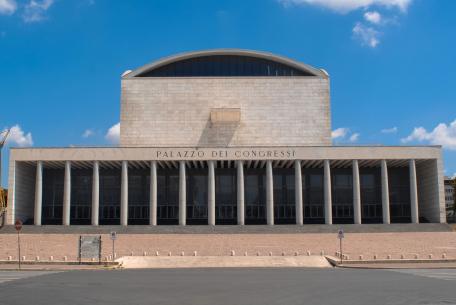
(17, 137)
(344, 134)
(35, 10)
(88, 133)
(389, 130)
(354, 137)
(345, 6)
(367, 35)
(7, 7)
(339, 133)
(113, 134)
(442, 134)
(373, 17)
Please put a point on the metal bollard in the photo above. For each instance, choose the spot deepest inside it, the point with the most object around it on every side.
(308, 253)
(169, 253)
(322, 253)
(194, 253)
(51, 258)
(430, 256)
(270, 253)
(444, 255)
(65, 258)
(360, 257)
(296, 253)
(182, 253)
(233, 253)
(388, 256)
(145, 253)
(156, 253)
(245, 253)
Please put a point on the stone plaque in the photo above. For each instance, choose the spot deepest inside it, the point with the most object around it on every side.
(89, 247)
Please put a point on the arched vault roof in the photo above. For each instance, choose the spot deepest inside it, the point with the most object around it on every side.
(307, 69)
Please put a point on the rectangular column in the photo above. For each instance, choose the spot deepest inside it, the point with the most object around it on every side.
(413, 192)
(356, 193)
(298, 193)
(153, 194)
(38, 193)
(124, 195)
(182, 194)
(269, 194)
(385, 193)
(240, 193)
(95, 193)
(211, 194)
(66, 194)
(327, 192)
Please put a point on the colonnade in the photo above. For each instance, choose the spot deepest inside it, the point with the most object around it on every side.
(211, 193)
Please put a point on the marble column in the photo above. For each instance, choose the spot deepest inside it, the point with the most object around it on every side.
(67, 194)
(240, 193)
(269, 194)
(298, 193)
(95, 193)
(211, 193)
(356, 193)
(413, 192)
(385, 193)
(327, 192)
(124, 195)
(38, 193)
(153, 194)
(182, 194)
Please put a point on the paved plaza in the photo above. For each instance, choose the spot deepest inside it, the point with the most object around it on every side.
(233, 286)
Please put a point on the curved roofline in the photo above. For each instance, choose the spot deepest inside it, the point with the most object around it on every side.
(240, 52)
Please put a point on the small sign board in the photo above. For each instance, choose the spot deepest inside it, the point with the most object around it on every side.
(113, 235)
(340, 234)
(18, 225)
(89, 247)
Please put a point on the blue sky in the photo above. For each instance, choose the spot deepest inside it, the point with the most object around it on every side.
(392, 62)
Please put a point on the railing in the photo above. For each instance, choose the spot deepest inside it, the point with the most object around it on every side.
(80, 212)
(255, 211)
(52, 212)
(344, 210)
(225, 212)
(168, 212)
(285, 211)
(110, 212)
(371, 210)
(138, 211)
(196, 212)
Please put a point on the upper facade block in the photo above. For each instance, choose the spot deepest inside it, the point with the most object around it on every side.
(260, 99)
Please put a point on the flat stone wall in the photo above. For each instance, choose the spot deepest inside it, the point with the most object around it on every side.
(22, 184)
(274, 111)
(431, 201)
(354, 244)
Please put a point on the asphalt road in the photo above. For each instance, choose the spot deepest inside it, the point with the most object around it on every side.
(232, 286)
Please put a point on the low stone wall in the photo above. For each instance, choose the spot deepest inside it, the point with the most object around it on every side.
(367, 244)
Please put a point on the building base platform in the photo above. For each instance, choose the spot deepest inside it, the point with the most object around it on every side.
(232, 229)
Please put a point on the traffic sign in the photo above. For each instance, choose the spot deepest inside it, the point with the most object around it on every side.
(113, 235)
(340, 234)
(18, 225)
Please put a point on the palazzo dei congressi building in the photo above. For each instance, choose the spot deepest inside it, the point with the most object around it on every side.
(225, 137)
